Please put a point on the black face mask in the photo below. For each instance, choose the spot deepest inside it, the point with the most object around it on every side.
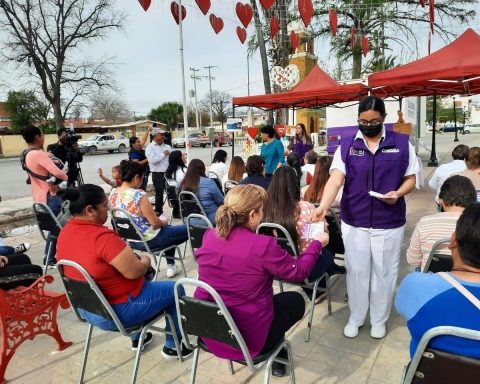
(370, 131)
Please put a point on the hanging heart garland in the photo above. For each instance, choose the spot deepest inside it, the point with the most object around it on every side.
(242, 34)
(352, 38)
(294, 40)
(204, 5)
(244, 13)
(175, 13)
(252, 132)
(266, 4)
(216, 23)
(422, 3)
(365, 46)
(306, 11)
(429, 41)
(145, 4)
(274, 26)
(333, 18)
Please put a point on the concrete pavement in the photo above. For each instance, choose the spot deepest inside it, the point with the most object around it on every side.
(329, 357)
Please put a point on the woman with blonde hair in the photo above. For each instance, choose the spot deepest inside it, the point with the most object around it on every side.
(236, 171)
(241, 266)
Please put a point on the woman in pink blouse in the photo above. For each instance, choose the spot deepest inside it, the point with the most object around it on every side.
(241, 266)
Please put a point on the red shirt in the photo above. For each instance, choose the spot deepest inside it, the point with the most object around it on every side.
(94, 246)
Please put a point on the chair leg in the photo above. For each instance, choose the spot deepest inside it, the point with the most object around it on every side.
(230, 367)
(268, 370)
(194, 365)
(136, 363)
(85, 352)
(45, 264)
(157, 267)
(180, 258)
(311, 311)
(329, 294)
(290, 361)
(178, 346)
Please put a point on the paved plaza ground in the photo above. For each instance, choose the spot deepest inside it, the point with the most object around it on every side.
(329, 357)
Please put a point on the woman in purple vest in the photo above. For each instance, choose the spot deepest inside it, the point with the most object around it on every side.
(373, 160)
(301, 143)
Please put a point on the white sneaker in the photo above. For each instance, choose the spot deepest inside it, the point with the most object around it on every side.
(378, 331)
(172, 270)
(350, 331)
(21, 248)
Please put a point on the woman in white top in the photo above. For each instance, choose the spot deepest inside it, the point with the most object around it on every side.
(218, 169)
(176, 168)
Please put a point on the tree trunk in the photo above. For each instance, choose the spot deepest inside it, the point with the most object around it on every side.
(57, 112)
(263, 54)
(357, 59)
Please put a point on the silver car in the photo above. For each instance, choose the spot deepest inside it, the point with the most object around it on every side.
(472, 128)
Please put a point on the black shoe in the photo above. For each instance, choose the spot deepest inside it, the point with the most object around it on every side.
(278, 369)
(148, 339)
(337, 270)
(171, 353)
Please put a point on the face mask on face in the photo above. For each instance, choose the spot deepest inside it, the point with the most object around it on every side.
(370, 131)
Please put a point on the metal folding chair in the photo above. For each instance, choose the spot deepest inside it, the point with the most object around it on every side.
(87, 296)
(286, 242)
(213, 320)
(438, 262)
(124, 225)
(229, 184)
(189, 204)
(171, 195)
(49, 228)
(433, 366)
(197, 225)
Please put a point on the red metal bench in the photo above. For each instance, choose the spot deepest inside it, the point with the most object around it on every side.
(27, 312)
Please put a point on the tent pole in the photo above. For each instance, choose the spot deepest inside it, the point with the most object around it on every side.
(455, 120)
(433, 162)
(233, 133)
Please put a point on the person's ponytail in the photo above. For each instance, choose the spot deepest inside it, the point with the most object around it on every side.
(225, 219)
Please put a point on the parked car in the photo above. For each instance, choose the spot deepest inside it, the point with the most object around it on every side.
(222, 138)
(108, 143)
(450, 127)
(178, 142)
(472, 128)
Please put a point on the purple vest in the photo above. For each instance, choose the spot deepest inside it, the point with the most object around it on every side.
(380, 172)
(301, 149)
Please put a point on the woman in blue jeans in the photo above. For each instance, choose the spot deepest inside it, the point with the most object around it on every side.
(155, 230)
(114, 267)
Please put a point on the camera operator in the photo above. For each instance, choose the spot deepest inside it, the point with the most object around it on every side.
(67, 150)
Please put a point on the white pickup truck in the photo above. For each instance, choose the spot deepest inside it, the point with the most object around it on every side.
(108, 143)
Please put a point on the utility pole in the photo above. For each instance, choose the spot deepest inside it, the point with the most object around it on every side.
(195, 78)
(210, 78)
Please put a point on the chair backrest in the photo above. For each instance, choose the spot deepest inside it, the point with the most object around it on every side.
(438, 262)
(433, 366)
(229, 184)
(213, 176)
(197, 225)
(210, 319)
(123, 224)
(46, 220)
(171, 190)
(281, 234)
(86, 294)
(335, 243)
(189, 204)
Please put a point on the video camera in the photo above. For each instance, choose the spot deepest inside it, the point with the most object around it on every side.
(70, 138)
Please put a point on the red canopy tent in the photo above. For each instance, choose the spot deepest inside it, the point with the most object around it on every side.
(316, 90)
(452, 70)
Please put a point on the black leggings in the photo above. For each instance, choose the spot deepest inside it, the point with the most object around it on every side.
(288, 308)
(19, 271)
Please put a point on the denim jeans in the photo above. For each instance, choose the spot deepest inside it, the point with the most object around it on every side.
(54, 203)
(167, 236)
(154, 298)
(6, 250)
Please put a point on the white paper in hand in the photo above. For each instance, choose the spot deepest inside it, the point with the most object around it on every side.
(313, 230)
(377, 195)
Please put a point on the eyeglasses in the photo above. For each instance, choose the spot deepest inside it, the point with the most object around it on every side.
(369, 123)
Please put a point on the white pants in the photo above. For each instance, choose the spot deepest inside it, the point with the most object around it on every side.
(371, 258)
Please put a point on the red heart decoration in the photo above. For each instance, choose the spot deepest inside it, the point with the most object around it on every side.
(145, 4)
(252, 132)
(244, 13)
(266, 4)
(242, 34)
(204, 5)
(364, 45)
(332, 16)
(352, 38)
(294, 40)
(431, 13)
(306, 11)
(274, 26)
(175, 13)
(216, 23)
(280, 129)
(422, 3)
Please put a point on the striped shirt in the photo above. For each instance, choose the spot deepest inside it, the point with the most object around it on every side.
(429, 230)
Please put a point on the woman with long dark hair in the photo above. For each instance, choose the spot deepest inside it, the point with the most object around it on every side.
(117, 271)
(207, 191)
(313, 192)
(301, 143)
(218, 169)
(176, 167)
(155, 230)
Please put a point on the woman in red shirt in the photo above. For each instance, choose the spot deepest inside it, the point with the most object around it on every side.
(118, 272)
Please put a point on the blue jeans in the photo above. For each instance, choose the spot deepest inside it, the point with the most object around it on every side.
(153, 299)
(54, 203)
(6, 250)
(167, 236)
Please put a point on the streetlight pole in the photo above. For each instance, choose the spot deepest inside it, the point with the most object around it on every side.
(195, 78)
(455, 120)
(433, 162)
(210, 78)
(182, 70)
